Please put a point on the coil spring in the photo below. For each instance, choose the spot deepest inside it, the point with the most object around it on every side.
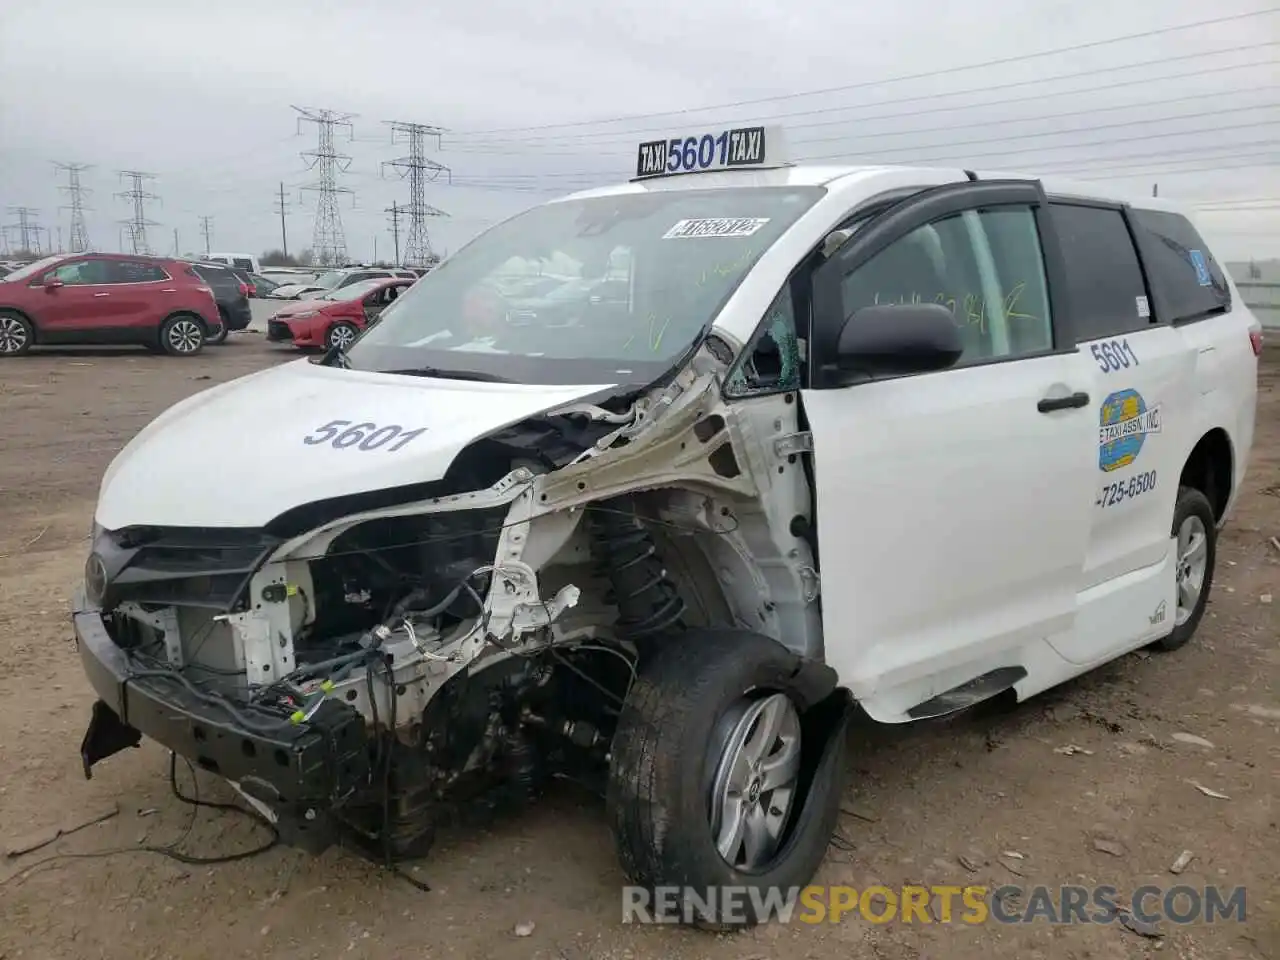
(646, 598)
(523, 769)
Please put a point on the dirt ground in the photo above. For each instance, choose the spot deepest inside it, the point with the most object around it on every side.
(921, 798)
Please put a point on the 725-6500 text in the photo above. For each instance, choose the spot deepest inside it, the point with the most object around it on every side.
(343, 435)
(1122, 490)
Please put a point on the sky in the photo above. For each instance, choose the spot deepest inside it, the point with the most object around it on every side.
(539, 99)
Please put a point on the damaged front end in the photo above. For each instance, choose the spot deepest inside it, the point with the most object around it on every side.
(366, 668)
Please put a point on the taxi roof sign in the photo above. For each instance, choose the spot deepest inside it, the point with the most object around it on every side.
(727, 148)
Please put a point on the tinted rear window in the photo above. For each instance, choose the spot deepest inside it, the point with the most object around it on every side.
(1187, 282)
(218, 277)
(1104, 278)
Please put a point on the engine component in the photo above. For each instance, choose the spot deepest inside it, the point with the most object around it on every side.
(646, 598)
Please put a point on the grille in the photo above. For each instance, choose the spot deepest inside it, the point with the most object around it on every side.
(278, 330)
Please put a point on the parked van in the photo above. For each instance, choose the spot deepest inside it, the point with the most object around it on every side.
(902, 437)
(245, 261)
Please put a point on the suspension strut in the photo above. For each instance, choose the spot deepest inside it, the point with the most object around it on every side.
(646, 598)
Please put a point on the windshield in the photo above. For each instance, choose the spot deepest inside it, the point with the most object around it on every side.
(32, 269)
(329, 279)
(353, 291)
(601, 290)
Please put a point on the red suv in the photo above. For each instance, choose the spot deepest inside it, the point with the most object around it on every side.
(107, 298)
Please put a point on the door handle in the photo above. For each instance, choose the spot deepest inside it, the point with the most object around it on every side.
(1069, 402)
(102, 294)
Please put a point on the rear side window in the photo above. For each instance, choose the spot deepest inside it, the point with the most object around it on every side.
(133, 271)
(242, 263)
(217, 277)
(1104, 278)
(1186, 281)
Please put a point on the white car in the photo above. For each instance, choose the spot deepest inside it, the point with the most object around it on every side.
(905, 438)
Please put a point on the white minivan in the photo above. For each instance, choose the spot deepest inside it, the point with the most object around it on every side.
(241, 261)
(903, 438)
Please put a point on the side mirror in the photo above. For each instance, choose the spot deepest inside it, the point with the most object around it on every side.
(53, 284)
(897, 339)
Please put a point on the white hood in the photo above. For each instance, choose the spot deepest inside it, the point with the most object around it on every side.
(288, 291)
(234, 456)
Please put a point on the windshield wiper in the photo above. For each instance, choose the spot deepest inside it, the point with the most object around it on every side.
(443, 374)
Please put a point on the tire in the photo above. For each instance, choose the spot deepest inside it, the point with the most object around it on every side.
(1192, 518)
(341, 331)
(688, 710)
(16, 334)
(182, 335)
(221, 335)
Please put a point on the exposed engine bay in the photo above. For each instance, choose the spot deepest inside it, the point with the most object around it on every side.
(486, 635)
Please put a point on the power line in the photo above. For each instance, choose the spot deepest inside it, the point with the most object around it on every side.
(27, 228)
(419, 169)
(329, 244)
(855, 156)
(1235, 200)
(1215, 168)
(933, 98)
(74, 189)
(206, 230)
(136, 226)
(1124, 124)
(863, 84)
(1077, 113)
(851, 156)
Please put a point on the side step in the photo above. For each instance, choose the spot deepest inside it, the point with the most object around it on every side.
(968, 694)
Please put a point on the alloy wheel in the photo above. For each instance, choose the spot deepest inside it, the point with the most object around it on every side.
(13, 335)
(755, 782)
(185, 336)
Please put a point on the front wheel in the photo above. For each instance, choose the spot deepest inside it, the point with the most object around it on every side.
(341, 335)
(182, 336)
(724, 780)
(1196, 532)
(16, 334)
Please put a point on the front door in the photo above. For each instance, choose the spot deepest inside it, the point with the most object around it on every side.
(77, 301)
(953, 507)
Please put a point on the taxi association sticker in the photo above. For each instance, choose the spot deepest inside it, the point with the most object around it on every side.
(1124, 423)
(715, 227)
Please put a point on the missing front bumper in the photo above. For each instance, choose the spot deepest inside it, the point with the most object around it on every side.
(301, 772)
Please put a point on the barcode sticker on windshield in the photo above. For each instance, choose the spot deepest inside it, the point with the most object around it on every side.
(715, 227)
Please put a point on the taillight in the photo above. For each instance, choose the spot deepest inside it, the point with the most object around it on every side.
(251, 291)
(244, 289)
(1255, 338)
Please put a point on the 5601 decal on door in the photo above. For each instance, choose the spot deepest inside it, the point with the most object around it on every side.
(1114, 355)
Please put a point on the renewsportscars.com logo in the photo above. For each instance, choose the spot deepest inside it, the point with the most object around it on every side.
(938, 904)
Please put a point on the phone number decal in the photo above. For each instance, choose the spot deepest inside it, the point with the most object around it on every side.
(344, 435)
(1116, 493)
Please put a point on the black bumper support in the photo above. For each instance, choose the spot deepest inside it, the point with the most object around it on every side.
(299, 771)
